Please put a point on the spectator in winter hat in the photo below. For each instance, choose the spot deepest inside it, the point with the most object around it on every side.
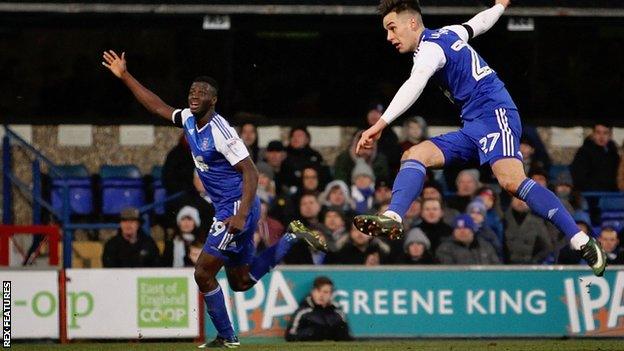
(466, 248)
(476, 210)
(363, 187)
(177, 247)
(416, 248)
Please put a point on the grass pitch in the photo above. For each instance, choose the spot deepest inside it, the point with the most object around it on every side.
(412, 345)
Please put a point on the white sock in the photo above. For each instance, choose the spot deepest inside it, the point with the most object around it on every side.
(393, 215)
(579, 239)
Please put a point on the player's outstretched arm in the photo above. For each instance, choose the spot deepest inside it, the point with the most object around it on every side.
(151, 101)
(485, 20)
(429, 59)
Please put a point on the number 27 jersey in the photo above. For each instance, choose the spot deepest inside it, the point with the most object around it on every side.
(469, 81)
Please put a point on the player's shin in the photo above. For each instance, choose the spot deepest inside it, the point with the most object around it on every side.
(215, 304)
(271, 256)
(546, 204)
(407, 187)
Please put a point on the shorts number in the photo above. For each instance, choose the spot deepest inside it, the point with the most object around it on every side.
(492, 138)
(217, 228)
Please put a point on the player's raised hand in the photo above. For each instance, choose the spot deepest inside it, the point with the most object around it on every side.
(505, 3)
(368, 138)
(114, 63)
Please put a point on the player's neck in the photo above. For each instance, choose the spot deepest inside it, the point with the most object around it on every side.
(419, 35)
(205, 119)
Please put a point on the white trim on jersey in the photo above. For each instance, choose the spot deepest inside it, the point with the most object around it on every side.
(507, 137)
(460, 30)
(227, 142)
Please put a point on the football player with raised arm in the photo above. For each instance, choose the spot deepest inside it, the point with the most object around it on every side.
(491, 123)
(230, 179)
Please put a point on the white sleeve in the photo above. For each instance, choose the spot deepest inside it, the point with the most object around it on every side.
(427, 61)
(484, 20)
(227, 141)
(460, 30)
(179, 117)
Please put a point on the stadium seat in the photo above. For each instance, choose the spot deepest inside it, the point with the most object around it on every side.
(78, 180)
(122, 186)
(159, 191)
(611, 207)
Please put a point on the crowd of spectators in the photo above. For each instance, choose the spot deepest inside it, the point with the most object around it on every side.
(466, 221)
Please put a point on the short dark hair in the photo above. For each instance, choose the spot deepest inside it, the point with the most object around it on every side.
(211, 81)
(435, 185)
(301, 128)
(308, 194)
(321, 281)
(603, 123)
(538, 171)
(398, 6)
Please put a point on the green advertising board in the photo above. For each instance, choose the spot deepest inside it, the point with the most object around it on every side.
(442, 301)
(162, 302)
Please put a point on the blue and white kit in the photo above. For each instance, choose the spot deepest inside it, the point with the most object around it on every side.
(216, 148)
(491, 123)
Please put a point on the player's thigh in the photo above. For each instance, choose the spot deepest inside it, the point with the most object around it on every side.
(427, 153)
(454, 148)
(510, 173)
(495, 135)
(208, 263)
(238, 266)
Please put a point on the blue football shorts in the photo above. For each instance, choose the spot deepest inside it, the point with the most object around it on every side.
(234, 249)
(486, 139)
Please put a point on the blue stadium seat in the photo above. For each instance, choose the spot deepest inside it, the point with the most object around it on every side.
(159, 191)
(80, 186)
(617, 225)
(122, 186)
(611, 207)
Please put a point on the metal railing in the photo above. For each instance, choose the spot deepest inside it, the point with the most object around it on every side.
(34, 195)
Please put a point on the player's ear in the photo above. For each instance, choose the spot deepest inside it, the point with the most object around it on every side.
(214, 100)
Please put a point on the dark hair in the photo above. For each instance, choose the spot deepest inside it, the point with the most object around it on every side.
(321, 281)
(398, 6)
(435, 185)
(301, 128)
(337, 210)
(602, 123)
(308, 194)
(538, 172)
(439, 201)
(211, 81)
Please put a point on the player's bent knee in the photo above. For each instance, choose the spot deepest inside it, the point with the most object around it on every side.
(510, 185)
(204, 279)
(241, 285)
(414, 153)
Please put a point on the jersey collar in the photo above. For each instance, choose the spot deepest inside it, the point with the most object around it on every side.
(214, 114)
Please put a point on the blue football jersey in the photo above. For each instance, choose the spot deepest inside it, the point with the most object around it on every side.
(469, 81)
(216, 148)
